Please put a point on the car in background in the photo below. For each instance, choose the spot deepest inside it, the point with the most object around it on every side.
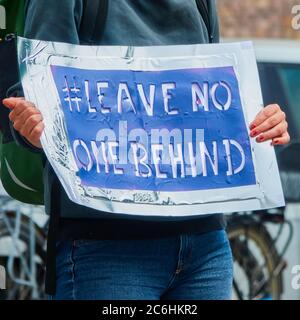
(279, 70)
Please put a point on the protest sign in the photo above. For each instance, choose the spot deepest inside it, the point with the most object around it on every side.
(156, 131)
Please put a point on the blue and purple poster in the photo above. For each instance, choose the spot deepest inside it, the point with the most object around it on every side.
(162, 131)
(175, 130)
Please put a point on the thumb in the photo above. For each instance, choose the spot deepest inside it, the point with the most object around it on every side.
(10, 103)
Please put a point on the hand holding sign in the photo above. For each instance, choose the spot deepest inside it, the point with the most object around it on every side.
(164, 133)
(269, 124)
(26, 119)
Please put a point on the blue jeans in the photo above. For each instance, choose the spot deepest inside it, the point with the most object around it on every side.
(189, 266)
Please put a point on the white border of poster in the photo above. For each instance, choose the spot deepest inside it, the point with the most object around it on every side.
(36, 57)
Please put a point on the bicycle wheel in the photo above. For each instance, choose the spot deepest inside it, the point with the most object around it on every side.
(255, 259)
(13, 290)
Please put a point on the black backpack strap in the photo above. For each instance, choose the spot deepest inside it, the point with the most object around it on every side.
(93, 20)
(203, 7)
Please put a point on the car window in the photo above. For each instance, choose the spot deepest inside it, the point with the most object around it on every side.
(290, 81)
(281, 84)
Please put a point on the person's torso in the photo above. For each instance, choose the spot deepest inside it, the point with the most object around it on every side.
(129, 22)
(156, 22)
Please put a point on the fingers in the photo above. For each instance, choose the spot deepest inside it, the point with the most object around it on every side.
(269, 123)
(26, 119)
(265, 114)
(30, 124)
(11, 102)
(273, 133)
(35, 135)
(19, 107)
(20, 112)
(19, 116)
(284, 139)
